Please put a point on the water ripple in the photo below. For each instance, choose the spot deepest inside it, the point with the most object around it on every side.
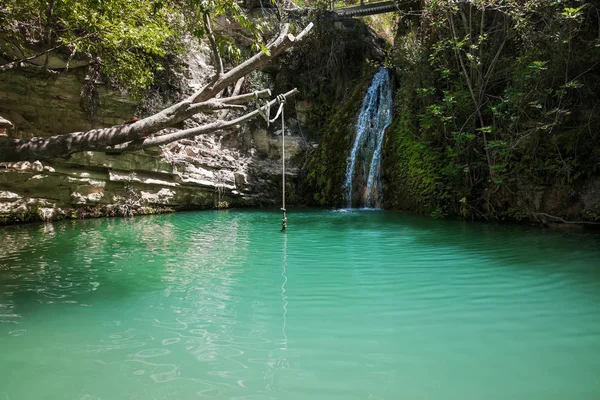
(346, 305)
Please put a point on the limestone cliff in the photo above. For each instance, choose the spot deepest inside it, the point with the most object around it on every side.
(241, 167)
(236, 168)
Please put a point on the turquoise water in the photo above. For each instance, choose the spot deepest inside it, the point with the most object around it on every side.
(346, 305)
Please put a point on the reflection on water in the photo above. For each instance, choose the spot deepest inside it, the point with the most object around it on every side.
(346, 305)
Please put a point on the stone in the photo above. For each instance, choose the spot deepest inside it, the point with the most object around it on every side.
(241, 179)
(46, 213)
(5, 124)
(153, 151)
(302, 110)
(260, 140)
(37, 166)
(92, 197)
(9, 195)
(590, 194)
(183, 175)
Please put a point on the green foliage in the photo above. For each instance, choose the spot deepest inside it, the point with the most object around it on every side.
(259, 80)
(127, 39)
(414, 168)
(327, 167)
(497, 96)
(327, 4)
(230, 11)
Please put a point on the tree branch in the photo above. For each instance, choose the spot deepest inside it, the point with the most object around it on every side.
(124, 136)
(473, 97)
(210, 106)
(244, 98)
(564, 221)
(100, 139)
(283, 42)
(213, 45)
(238, 86)
(200, 130)
(17, 63)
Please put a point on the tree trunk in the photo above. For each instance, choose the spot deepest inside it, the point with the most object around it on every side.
(128, 137)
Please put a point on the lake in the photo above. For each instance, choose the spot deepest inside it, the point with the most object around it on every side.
(359, 304)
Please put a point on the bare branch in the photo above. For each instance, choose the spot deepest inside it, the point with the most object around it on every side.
(200, 130)
(238, 86)
(564, 221)
(283, 42)
(244, 98)
(17, 63)
(180, 111)
(210, 106)
(135, 135)
(213, 45)
(473, 97)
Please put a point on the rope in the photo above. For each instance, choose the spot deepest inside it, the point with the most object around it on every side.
(264, 112)
(265, 109)
(283, 217)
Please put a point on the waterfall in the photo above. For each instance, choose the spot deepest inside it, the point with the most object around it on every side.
(375, 116)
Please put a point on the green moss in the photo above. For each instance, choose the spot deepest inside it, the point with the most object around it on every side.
(411, 167)
(505, 148)
(34, 214)
(18, 217)
(591, 215)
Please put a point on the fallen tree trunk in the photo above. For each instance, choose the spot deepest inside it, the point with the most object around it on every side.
(140, 134)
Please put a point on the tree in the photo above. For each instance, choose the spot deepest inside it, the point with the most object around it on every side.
(499, 97)
(149, 131)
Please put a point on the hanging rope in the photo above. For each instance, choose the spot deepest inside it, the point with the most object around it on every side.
(283, 216)
(265, 111)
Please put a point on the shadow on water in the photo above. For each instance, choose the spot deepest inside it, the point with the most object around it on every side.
(73, 262)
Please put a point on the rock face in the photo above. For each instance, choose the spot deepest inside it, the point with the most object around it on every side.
(237, 168)
(241, 167)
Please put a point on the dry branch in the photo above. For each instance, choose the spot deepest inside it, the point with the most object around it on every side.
(536, 215)
(17, 63)
(213, 45)
(283, 42)
(136, 135)
(200, 130)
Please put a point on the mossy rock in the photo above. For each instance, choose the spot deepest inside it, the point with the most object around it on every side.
(327, 167)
